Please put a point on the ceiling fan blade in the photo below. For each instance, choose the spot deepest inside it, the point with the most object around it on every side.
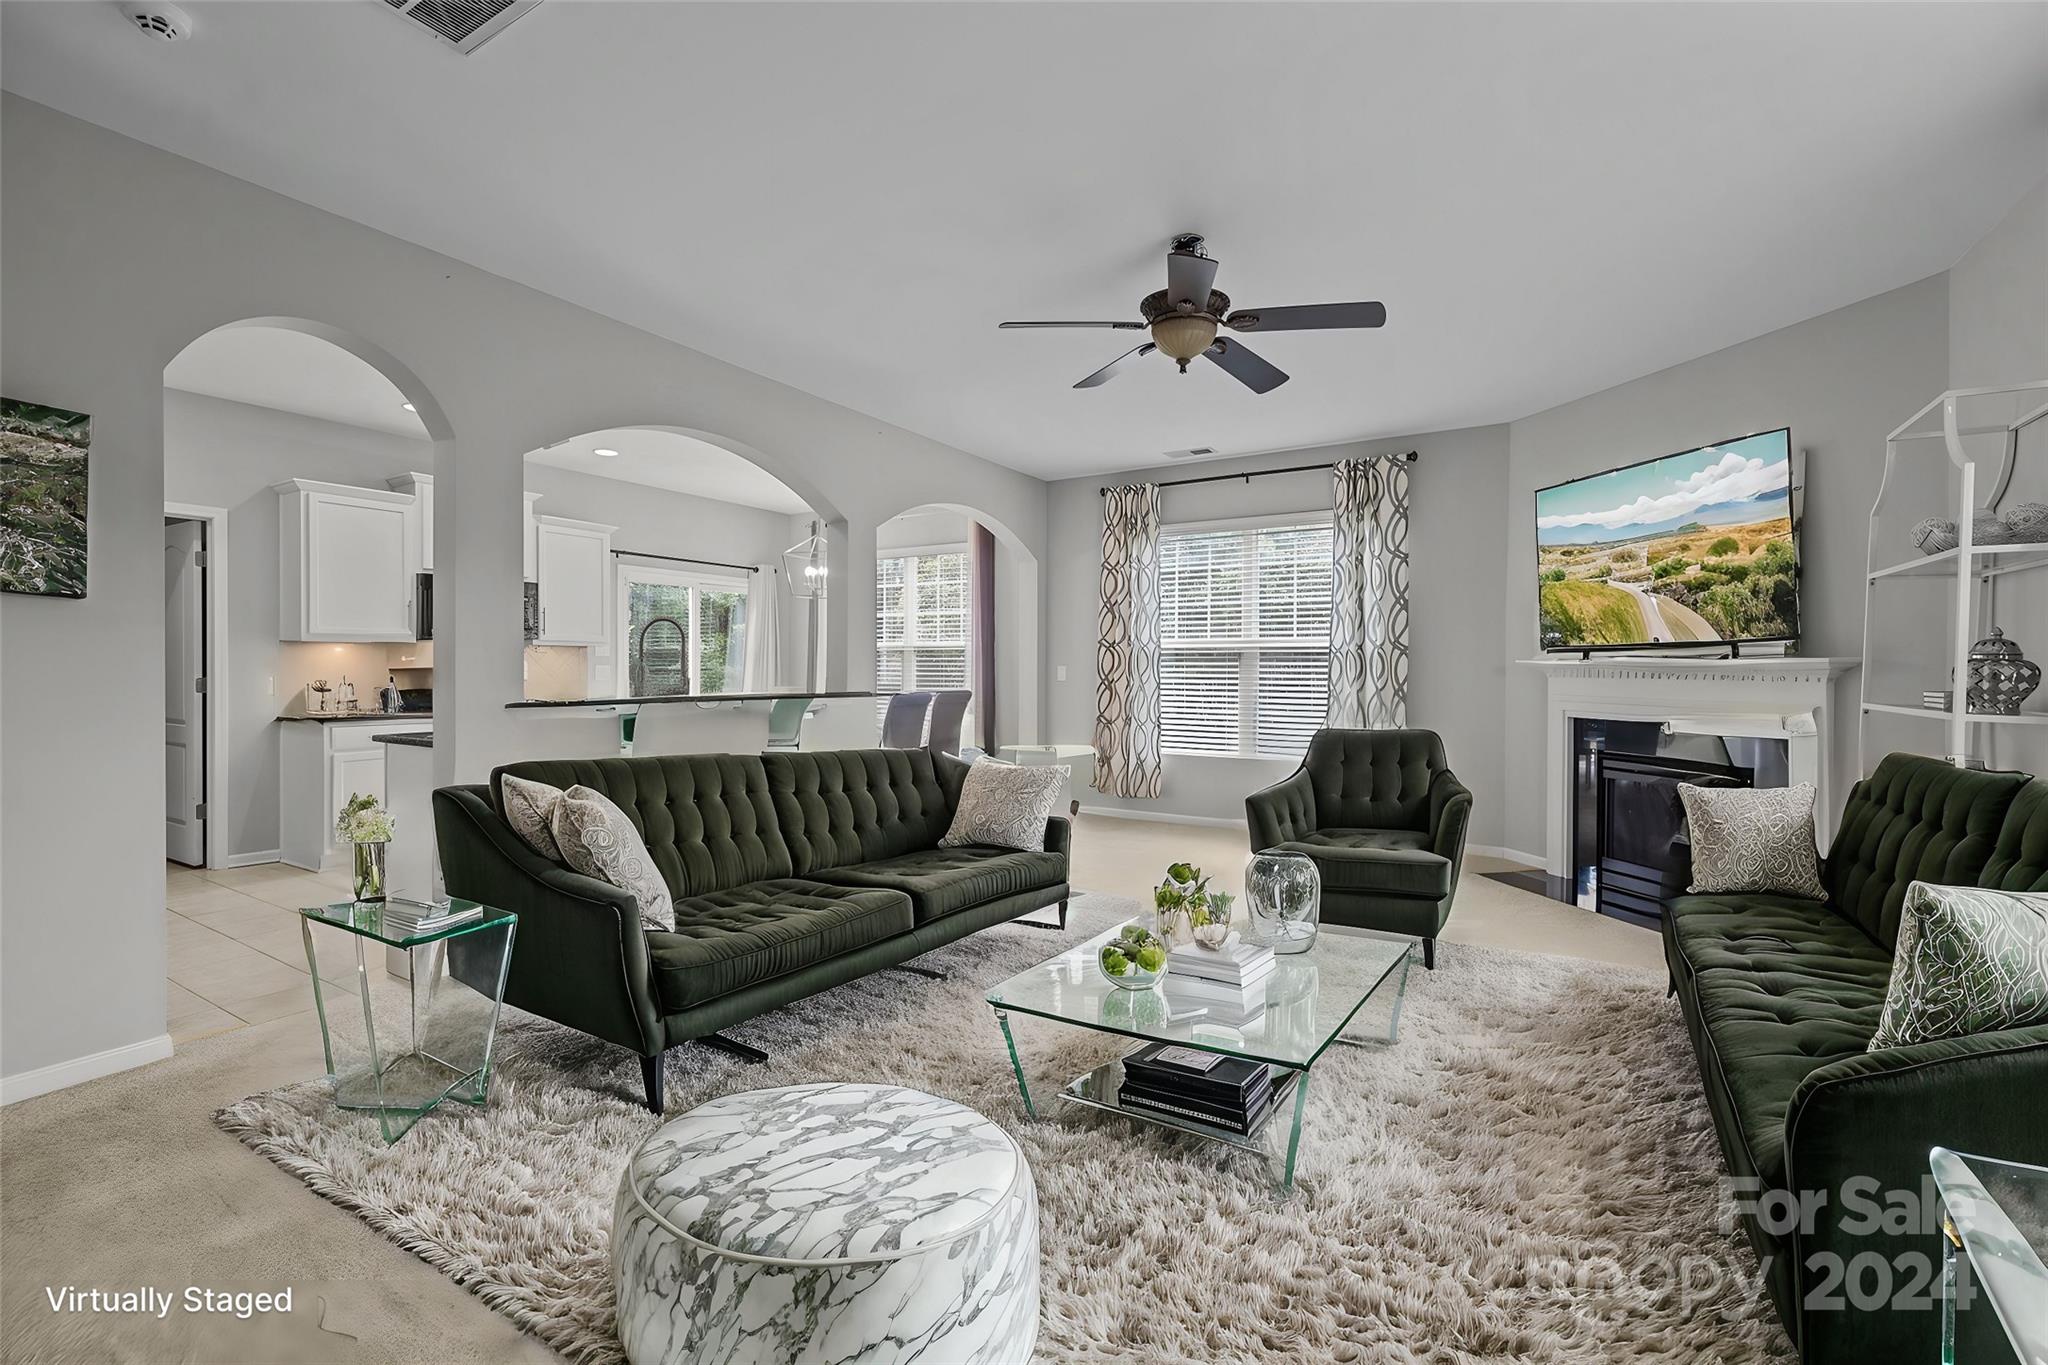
(1107, 372)
(1307, 317)
(1120, 326)
(1188, 279)
(1246, 367)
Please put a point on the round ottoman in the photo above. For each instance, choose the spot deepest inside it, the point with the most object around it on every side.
(827, 1223)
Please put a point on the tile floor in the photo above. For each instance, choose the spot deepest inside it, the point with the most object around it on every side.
(236, 955)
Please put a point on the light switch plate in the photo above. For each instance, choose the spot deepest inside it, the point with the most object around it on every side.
(1059, 674)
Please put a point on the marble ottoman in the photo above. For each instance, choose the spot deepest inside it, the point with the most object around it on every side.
(826, 1223)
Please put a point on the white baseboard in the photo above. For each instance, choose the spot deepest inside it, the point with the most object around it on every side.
(79, 1070)
(1164, 817)
(1513, 855)
(261, 855)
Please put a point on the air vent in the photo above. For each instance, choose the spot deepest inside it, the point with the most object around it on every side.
(464, 25)
(1192, 453)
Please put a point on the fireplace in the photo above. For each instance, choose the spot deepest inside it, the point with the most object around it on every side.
(1638, 839)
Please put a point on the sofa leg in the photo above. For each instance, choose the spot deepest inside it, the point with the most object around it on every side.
(1060, 927)
(734, 1046)
(1429, 953)
(933, 973)
(650, 1073)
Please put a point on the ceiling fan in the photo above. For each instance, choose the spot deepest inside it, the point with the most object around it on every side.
(1184, 316)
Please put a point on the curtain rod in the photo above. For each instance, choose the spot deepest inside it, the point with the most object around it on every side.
(680, 559)
(1248, 475)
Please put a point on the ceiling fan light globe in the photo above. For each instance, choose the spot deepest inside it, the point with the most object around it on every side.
(1184, 336)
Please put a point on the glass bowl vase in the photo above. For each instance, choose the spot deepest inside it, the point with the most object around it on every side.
(1134, 960)
(1283, 895)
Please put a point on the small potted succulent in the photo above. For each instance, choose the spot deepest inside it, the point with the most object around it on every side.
(1134, 959)
(365, 823)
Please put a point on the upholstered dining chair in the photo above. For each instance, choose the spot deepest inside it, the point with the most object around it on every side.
(903, 722)
(1383, 819)
(949, 713)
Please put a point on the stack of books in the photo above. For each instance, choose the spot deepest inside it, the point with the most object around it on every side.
(1235, 1094)
(1935, 701)
(1237, 963)
(402, 918)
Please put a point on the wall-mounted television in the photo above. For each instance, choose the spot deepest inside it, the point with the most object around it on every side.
(1693, 549)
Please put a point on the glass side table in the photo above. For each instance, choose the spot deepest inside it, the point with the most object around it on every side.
(1996, 1214)
(396, 1047)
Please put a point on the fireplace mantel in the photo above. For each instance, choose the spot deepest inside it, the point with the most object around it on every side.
(1787, 697)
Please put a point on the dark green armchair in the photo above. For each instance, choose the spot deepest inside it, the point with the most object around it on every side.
(1383, 819)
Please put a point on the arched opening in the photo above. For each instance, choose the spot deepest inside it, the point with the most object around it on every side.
(298, 473)
(655, 567)
(956, 608)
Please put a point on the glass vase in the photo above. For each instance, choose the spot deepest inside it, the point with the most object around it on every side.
(1283, 894)
(370, 871)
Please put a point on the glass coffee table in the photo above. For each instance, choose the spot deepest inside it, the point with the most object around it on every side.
(1996, 1214)
(1347, 989)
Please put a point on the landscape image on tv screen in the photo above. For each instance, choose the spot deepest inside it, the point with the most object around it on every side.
(1690, 548)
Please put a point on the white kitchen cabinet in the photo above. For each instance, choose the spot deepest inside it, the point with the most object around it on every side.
(346, 562)
(421, 486)
(574, 560)
(321, 763)
(530, 545)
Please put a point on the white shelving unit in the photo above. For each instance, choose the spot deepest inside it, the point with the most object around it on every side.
(1973, 570)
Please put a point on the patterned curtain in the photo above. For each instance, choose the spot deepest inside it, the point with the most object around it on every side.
(1127, 648)
(1369, 595)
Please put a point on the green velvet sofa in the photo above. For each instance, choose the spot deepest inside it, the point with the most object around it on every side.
(792, 873)
(1383, 819)
(1781, 996)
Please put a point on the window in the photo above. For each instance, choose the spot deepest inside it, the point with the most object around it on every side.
(921, 623)
(1244, 636)
(682, 632)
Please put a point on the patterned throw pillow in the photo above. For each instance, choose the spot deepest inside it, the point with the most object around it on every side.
(1967, 961)
(598, 840)
(530, 810)
(1753, 839)
(1005, 804)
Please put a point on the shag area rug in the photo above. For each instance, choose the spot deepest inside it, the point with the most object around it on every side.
(1527, 1174)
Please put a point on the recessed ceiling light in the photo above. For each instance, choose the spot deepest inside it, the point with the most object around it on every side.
(608, 454)
(408, 407)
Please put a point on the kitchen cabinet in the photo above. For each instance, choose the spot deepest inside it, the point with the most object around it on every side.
(574, 561)
(321, 763)
(421, 486)
(347, 558)
(530, 546)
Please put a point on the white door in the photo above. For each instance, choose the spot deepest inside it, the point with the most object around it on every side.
(184, 702)
(573, 565)
(359, 566)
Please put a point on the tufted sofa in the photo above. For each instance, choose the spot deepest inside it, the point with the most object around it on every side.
(792, 872)
(1781, 996)
(1382, 818)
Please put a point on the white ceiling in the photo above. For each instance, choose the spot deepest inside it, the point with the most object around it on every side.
(273, 367)
(664, 459)
(1549, 198)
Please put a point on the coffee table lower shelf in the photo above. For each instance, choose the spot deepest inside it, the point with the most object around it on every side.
(1099, 1089)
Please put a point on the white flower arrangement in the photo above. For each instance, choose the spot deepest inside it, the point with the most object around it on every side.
(364, 821)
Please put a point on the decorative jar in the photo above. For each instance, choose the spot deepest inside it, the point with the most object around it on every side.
(369, 880)
(2001, 676)
(1134, 960)
(1284, 894)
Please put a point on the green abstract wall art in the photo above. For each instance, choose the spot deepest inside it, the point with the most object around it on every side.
(42, 499)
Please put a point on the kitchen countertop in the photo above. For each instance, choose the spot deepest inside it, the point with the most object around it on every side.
(335, 717)
(708, 698)
(413, 740)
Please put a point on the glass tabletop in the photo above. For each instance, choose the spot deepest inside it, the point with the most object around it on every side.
(367, 918)
(2000, 1212)
(1309, 998)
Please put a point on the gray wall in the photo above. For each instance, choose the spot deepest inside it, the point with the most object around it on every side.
(1998, 334)
(1455, 569)
(1841, 381)
(496, 369)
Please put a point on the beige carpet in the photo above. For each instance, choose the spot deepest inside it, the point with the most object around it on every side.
(1527, 1174)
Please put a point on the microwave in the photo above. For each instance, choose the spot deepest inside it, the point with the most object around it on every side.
(423, 609)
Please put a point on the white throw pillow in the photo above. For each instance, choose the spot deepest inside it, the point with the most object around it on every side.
(530, 810)
(598, 840)
(1005, 804)
(1753, 840)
